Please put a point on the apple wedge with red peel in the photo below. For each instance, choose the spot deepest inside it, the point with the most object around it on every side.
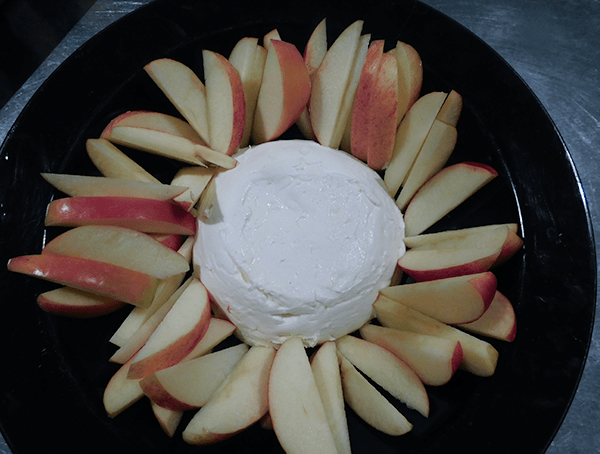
(240, 401)
(76, 303)
(295, 406)
(332, 95)
(170, 146)
(460, 299)
(375, 110)
(451, 109)
(326, 370)
(248, 58)
(443, 192)
(88, 275)
(429, 265)
(437, 148)
(429, 240)
(144, 215)
(89, 186)
(498, 322)
(184, 89)
(113, 163)
(479, 357)
(284, 92)
(195, 179)
(218, 331)
(190, 384)
(512, 245)
(369, 404)
(177, 334)
(434, 359)
(410, 77)
(122, 247)
(410, 136)
(226, 103)
(168, 419)
(171, 240)
(313, 55)
(121, 392)
(154, 121)
(387, 370)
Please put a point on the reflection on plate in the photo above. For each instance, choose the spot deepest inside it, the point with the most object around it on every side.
(55, 370)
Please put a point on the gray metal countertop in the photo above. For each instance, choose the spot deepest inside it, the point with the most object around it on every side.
(555, 47)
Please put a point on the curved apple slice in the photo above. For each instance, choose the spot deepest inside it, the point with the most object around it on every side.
(295, 406)
(499, 321)
(434, 359)
(284, 92)
(410, 77)
(168, 419)
(240, 401)
(479, 357)
(443, 192)
(88, 275)
(177, 334)
(184, 89)
(144, 215)
(452, 300)
(121, 392)
(189, 384)
(195, 179)
(113, 163)
(76, 303)
(326, 370)
(120, 246)
(387, 370)
(369, 404)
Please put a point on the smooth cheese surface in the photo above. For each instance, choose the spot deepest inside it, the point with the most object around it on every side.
(297, 240)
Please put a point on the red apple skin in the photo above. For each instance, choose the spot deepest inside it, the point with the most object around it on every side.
(486, 285)
(498, 322)
(89, 275)
(75, 303)
(174, 353)
(146, 215)
(152, 387)
(511, 246)
(173, 241)
(474, 267)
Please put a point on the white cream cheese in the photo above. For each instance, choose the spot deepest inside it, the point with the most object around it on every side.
(297, 240)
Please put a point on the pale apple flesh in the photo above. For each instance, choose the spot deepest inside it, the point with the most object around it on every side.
(498, 322)
(76, 303)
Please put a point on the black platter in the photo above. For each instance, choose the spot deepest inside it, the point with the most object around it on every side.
(54, 369)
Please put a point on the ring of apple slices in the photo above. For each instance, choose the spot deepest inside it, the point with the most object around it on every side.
(126, 245)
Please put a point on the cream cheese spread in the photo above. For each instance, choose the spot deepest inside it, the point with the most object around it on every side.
(297, 240)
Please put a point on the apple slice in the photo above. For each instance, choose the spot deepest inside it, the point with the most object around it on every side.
(387, 370)
(314, 52)
(154, 121)
(442, 193)
(239, 402)
(113, 163)
(295, 406)
(92, 276)
(272, 35)
(410, 77)
(437, 148)
(177, 334)
(479, 357)
(248, 58)
(189, 384)
(184, 89)
(375, 111)
(326, 370)
(460, 299)
(284, 92)
(144, 215)
(434, 359)
(451, 110)
(86, 186)
(168, 419)
(195, 179)
(499, 321)
(76, 303)
(331, 93)
(225, 102)
(410, 136)
(121, 392)
(170, 146)
(119, 246)
(171, 240)
(369, 404)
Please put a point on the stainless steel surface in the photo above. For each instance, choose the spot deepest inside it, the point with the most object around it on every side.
(553, 45)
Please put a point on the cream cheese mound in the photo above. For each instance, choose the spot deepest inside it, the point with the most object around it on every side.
(297, 240)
